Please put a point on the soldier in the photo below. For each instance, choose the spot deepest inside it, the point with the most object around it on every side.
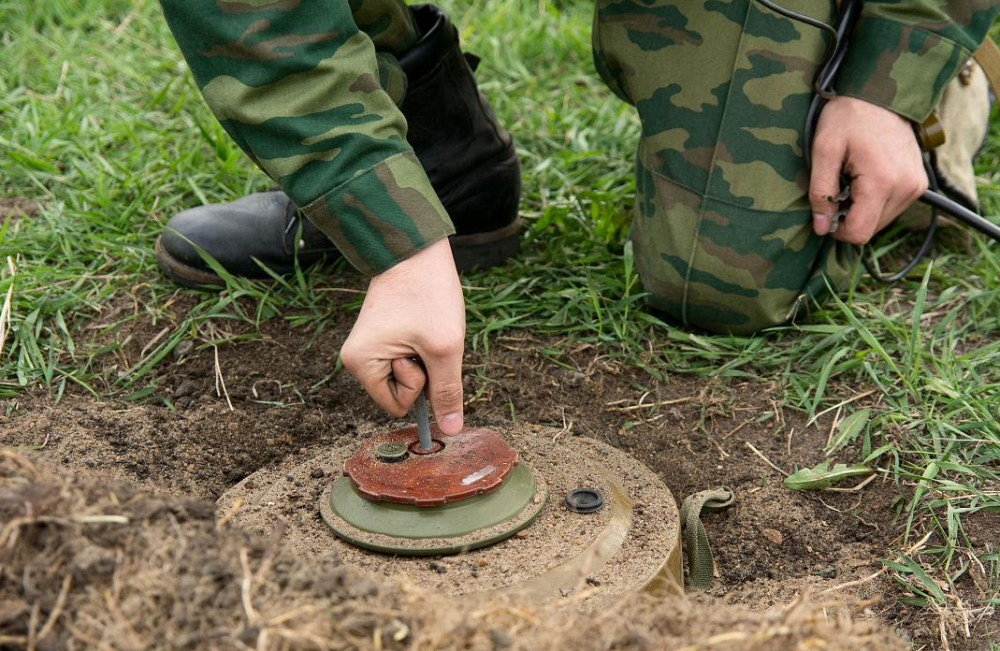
(731, 230)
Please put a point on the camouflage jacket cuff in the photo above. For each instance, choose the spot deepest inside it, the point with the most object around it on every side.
(383, 215)
(899, 67)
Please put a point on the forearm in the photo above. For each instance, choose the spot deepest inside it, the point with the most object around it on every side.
(904, 52)
(297, 86)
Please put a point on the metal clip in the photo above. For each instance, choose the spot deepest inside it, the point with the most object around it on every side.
(843, 201)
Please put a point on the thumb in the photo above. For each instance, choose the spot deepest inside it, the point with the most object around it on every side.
(828, 155)
(445, 381)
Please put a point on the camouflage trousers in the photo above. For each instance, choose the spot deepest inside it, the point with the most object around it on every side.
(722, 233)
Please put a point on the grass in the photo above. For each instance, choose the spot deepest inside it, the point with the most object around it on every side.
(103, 127)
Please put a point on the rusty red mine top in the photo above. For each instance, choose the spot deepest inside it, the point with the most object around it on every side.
(472, 462)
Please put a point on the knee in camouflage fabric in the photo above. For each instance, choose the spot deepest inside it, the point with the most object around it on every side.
(722, 231)
(388, 23)
(392, 30)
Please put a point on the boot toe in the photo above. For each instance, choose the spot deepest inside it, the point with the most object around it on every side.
(234, 234)
(180, 235)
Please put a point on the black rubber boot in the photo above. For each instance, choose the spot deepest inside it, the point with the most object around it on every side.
(468, 156)
(258, 227)
(469, 159)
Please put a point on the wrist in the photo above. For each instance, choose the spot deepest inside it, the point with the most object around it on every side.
(437, 253)
(429, 273)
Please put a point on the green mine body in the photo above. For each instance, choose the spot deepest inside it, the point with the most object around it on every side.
(426, 530)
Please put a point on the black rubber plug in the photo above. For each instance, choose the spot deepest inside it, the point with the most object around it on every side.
(584, 500)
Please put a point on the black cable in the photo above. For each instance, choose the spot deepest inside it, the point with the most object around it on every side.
(958, 211)
(822, 84)
(802, 18)
(924, 249)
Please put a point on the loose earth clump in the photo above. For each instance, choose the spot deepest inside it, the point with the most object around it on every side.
(16, 207)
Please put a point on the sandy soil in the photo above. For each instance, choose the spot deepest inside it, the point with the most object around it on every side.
(86, 563)
(637, 501)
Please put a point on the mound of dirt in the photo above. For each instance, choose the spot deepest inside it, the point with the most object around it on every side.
(616, 550)
(90, 563)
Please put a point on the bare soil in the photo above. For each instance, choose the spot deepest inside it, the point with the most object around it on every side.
(772, 547)
(16, 207)
(90, 564)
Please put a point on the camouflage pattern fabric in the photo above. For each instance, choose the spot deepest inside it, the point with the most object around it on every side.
(722, 233)
(392, 30)
(905, 52)
(300, 87)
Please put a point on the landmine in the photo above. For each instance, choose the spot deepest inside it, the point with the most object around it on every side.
(488, 517)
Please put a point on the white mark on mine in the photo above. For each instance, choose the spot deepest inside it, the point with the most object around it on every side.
(479, 474)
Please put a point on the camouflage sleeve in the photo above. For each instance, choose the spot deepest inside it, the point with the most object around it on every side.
(297, 85)
(904, 52)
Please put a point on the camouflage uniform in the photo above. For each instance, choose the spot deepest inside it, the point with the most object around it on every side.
(722, 231)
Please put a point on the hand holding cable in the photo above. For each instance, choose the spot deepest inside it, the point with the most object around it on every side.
(823, 85)
(879, 152)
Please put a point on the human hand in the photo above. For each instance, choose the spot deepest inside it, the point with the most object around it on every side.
(414, 309)
(878, 150)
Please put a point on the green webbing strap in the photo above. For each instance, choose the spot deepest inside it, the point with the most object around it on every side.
(700, 565)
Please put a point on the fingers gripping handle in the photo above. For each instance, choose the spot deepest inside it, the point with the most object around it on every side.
(422, 416)
(423, 423)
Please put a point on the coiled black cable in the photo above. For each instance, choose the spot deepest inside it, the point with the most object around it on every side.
(925, 246)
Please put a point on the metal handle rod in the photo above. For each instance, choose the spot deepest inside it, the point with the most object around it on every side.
(423, 423)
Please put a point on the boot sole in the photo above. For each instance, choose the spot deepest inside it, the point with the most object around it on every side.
(184, 274)
(475, 251)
